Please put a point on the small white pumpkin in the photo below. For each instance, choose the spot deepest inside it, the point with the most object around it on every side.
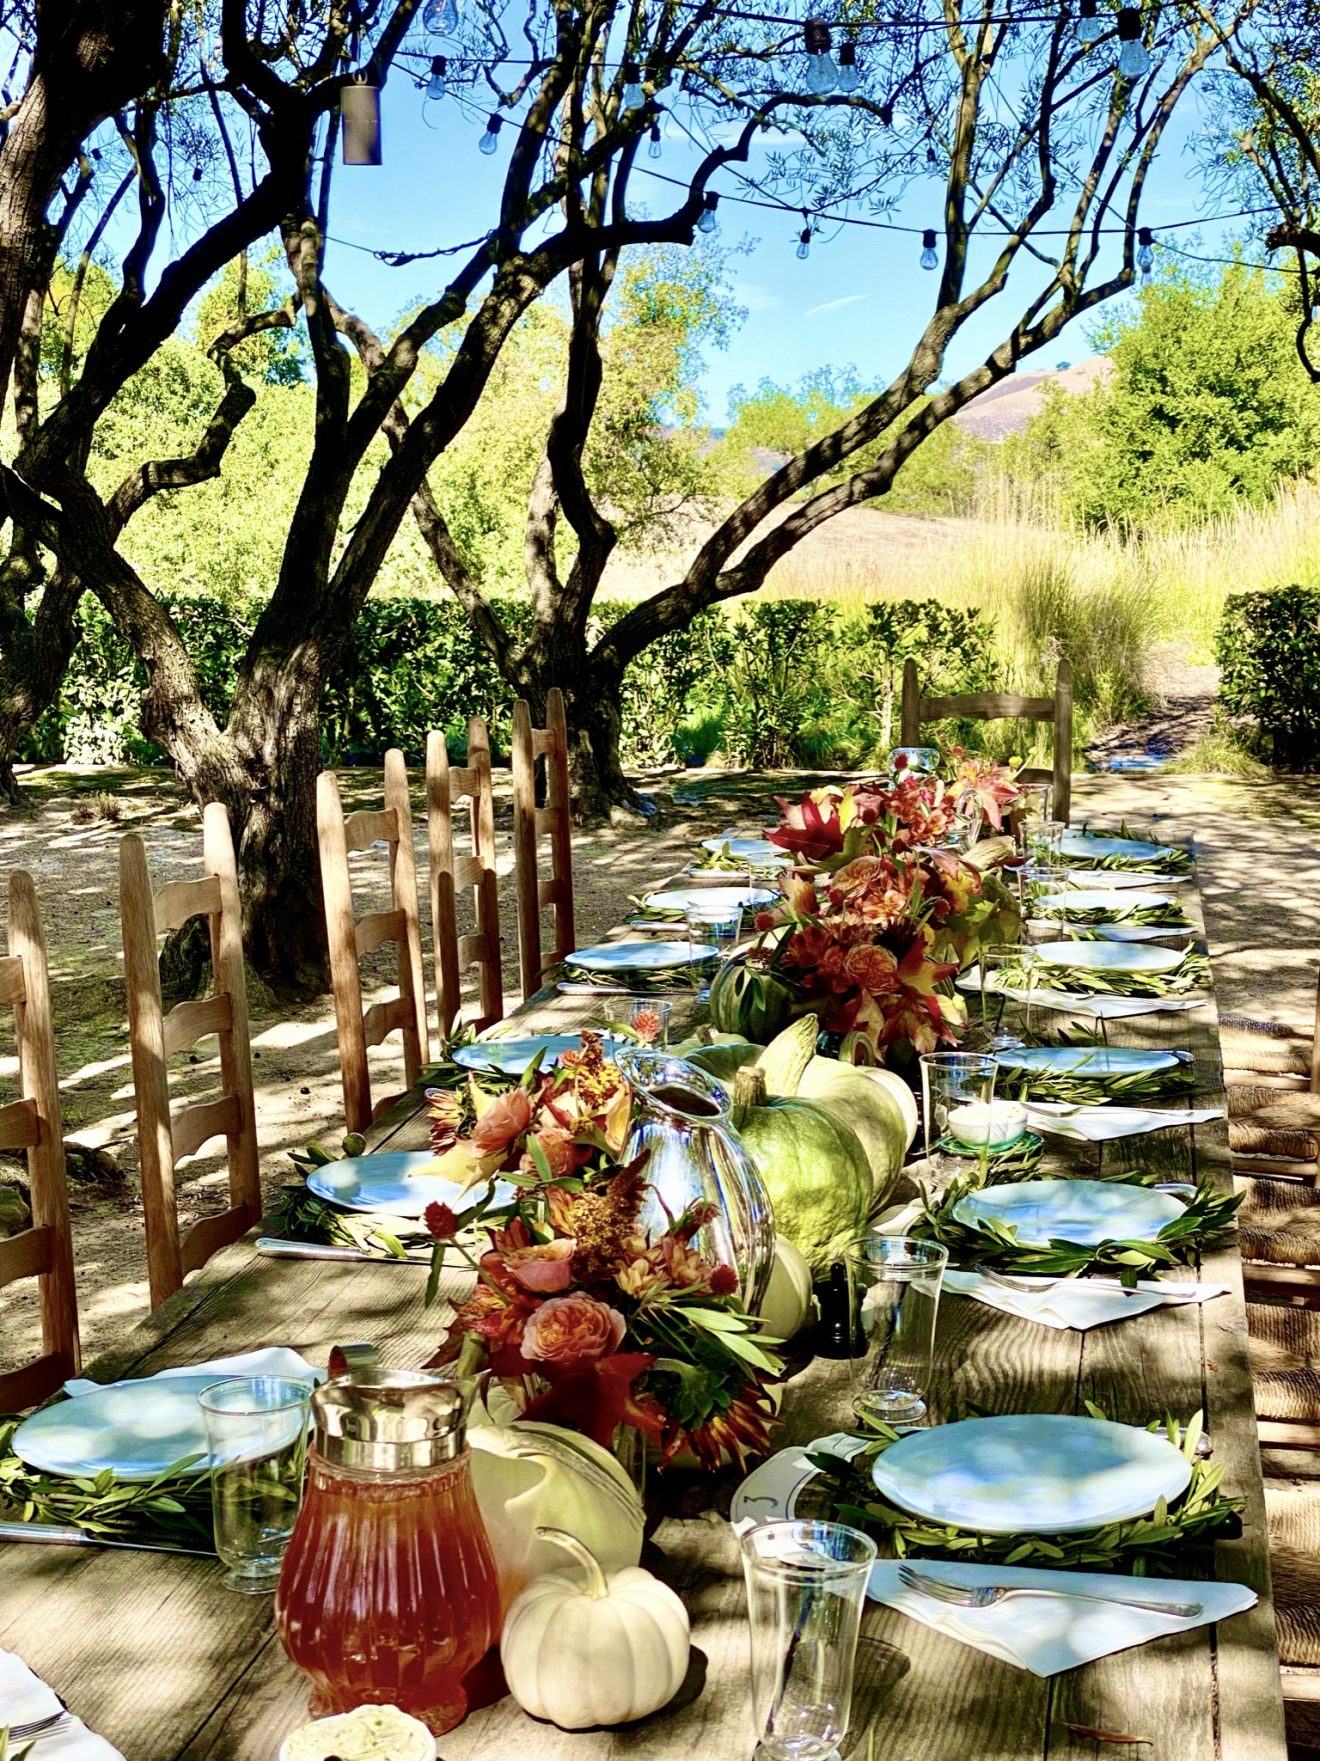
(604, 1652)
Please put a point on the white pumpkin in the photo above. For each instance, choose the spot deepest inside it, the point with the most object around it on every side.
(603, 1651)
(528, 1475)
(786, 1307)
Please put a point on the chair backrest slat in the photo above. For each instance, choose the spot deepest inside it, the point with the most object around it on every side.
(553, 821)
(996, 705)
(164, 1139)
(350, 937)
(447, 784)
(45, 1251)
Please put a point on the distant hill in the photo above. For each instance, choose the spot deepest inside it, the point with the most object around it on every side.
(1007, 407)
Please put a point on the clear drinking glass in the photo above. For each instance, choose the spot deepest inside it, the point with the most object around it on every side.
(1034, 801)
(1041, 842)
(256, 1433)
(992, 961)
(957, 1095)
(649, 1019)
(710, 926)
(919, 759)
(896, 1296)
(806, 1588)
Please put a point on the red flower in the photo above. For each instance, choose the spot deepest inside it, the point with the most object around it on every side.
(441, 1222)
(723, 1281)
(544, 1269)
(900, 761)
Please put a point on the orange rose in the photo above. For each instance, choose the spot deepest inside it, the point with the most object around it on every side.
(572, 1329)
(561, 1151)
(874, 969)
(504, 1120)
(545, 1268)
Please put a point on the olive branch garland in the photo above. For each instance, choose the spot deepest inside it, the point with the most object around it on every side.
(1131, 1087)
(1180, 862)
(1167, 916)
(175, 1507)
(1191, 974)
(1208, 1216)
(1142, 1546)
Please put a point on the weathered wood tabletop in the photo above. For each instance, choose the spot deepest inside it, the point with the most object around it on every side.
(154, 1653)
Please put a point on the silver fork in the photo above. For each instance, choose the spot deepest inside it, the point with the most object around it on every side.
(1026, 1288)
(37, 1728)
(986, 1595)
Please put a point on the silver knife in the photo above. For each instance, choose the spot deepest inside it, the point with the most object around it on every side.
(65, 1535)
(315, 1250)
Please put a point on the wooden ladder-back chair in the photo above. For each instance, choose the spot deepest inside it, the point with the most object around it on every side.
(455, 954)
(1005, 705)
(32, 1123)
(165, 1138)
(351, 937)
(530, 823)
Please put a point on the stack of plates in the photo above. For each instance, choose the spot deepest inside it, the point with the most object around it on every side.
(680, 900)
(1085, 1212)
(1016, 1474)
(1085, 847)
(755, 852)
(648, 967)
(510, 1057)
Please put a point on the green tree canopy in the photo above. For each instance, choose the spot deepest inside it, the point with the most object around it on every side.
(1206, 406)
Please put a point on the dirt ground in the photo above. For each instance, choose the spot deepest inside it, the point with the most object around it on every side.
(1258, 847)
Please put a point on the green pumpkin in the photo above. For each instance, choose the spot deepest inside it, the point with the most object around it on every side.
(749, 1001)
(723, 1061)
(813, 1166)
(875, 1103)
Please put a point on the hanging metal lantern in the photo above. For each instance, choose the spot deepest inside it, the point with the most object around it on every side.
(359, 109)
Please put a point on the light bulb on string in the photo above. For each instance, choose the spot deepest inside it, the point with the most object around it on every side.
(436, 86)
(929, 256)
(491, 139)
(1145, 250)
(633, 95)
(440, 16)
(849, 72)
(931, 160)
(1133, 59)
(804, 244)
(1090, 25)
(707, 221)
(822, 74)
(654, 150)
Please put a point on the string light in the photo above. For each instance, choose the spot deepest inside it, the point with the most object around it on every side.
(1145, 250)
(633, 95)
(887, 116)
(929, 257)
(822, 74)
(804, 243)
(1133, 60)
(1090, 25)
(930, 156)
(441, 17)
(491, 139)
(435, 86)
(708, 222)
(655, 150)
(849, 73)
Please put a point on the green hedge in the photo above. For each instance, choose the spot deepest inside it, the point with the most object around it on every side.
(774, 682)
(1268, 647)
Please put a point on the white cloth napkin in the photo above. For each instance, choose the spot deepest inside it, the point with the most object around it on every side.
(1099, 1124)
(270, 1360)
(1078, 1303)
(1048, 1634)
(24, 1697)
(898, 1219)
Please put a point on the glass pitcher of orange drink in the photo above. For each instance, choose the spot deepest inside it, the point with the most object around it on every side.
(388, 1593)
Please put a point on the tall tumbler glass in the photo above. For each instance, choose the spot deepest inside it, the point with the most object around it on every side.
(806, 1588)
(896, 1283)
(256, 1432)
(920, 760)
(957, 1110)
(713, 926)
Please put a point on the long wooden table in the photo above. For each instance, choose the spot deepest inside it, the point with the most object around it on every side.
(154, 1653)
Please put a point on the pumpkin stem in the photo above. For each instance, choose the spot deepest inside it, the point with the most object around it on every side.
(597, 1588)
(749, 1092)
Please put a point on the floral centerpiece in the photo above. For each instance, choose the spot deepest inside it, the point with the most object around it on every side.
(890, 914)
(585, 1318)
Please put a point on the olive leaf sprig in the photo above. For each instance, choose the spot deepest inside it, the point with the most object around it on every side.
(1192, 973)
(1142, 1546)
(1207, 1215)
(1130, 1087)
(640, 981)
(174, 1507)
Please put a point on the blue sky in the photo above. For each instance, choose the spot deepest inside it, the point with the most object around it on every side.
(860, 298)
